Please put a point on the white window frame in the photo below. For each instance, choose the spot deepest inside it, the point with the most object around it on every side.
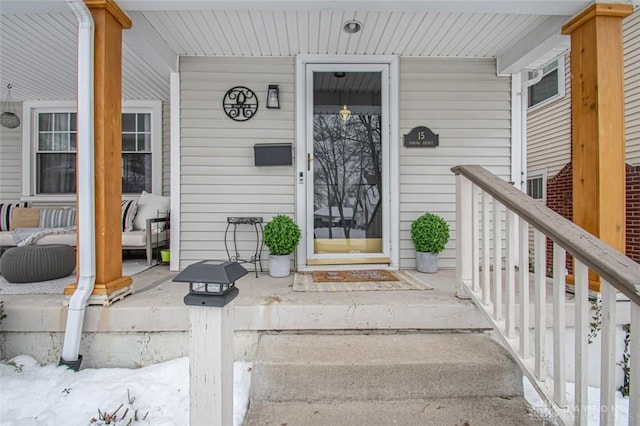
(538, 174)
(30, 111)
(561, 83)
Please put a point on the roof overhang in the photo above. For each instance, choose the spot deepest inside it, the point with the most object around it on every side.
(38, 45)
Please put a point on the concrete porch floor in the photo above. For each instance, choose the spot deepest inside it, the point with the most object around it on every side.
(152, 325)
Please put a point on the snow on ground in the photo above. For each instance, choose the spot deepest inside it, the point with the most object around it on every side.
(31, 393)
(622, 403)
(49, 395)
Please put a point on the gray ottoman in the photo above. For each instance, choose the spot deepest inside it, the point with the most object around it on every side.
(37, 263)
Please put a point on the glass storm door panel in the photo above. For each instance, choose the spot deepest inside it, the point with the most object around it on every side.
(346, 164)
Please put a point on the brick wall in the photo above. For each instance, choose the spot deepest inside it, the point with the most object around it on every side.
(560, 199)
(633, 213)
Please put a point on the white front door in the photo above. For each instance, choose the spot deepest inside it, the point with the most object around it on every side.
(346, 176)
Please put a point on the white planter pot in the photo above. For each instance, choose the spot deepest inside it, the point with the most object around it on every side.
(279, 265)
(426, 262)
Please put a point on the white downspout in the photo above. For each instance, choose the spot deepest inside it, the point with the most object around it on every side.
(525, 106)
(86, 197)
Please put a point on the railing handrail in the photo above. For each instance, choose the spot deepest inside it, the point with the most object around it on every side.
(613, 266)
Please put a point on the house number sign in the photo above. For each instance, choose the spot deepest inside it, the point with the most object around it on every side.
(240, 103)
(421, 137)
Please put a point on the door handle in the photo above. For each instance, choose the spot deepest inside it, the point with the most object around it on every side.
(309, 159)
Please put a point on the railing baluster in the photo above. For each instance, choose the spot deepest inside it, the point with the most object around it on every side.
(497, 260)
(581, 284)
(523, 275)
(634, 352)
(540, 302)
(510, 276)
(486, 255)
(475, 234)
(608, 355)
(559, 290)
(464, 250)
(617, 271)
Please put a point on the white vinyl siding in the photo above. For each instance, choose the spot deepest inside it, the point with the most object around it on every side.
(11, 160)
(631, 41)
(549, 128)
(470, 109)
(218, 176)
(549, 132)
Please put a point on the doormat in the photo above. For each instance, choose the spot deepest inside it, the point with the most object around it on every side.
(353, 276)
(403, 280)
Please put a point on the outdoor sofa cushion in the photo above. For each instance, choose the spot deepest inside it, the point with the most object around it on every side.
(151, 206)
(6, 210)
(25, 217)
(129, 210)
(139, 238)
(57, 218)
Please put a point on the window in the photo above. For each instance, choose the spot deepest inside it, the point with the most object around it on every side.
(537, 184)
(56, 153)
(50, 140)
(136, 153)
(551, 86)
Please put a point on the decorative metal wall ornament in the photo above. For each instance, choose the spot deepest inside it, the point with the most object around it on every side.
(9, 118)
(240, 103)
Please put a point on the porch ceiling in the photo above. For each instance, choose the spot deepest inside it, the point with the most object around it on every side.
(38, 40)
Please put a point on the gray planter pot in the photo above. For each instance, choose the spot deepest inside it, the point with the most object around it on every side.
(279, 265)
(426, 262)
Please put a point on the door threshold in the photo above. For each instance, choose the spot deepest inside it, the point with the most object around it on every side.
(380, 260)
(349, 267)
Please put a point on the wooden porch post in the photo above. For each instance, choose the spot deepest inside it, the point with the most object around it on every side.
(109, 21)
(597, 114)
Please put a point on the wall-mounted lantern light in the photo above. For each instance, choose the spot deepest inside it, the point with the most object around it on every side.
(272, 96)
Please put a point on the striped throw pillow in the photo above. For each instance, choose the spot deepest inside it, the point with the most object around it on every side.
(57, 218)
(5, 214)
(129, 209)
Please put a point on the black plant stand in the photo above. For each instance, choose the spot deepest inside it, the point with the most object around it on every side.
(255, 259)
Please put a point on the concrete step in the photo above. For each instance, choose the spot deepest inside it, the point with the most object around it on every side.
(311, 368)
(490, 411)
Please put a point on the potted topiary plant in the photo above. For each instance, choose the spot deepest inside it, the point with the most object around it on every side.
(430, 234)
(281, 236)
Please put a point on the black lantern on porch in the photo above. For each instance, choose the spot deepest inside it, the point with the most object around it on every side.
(211, 282)
(273, 99)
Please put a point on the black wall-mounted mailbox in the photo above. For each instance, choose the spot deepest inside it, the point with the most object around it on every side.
(272, 154)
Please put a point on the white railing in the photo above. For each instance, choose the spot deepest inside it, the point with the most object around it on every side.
(478, 251)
